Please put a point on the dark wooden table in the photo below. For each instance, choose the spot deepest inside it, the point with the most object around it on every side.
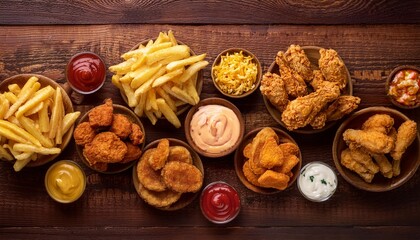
(372, 37)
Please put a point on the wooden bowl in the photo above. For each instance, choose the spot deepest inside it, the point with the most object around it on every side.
(239, 160)
(312, 52)
(198, 85)
(20, 80)
(409, 163)
(213, 101)
(246, 53)
(186, 198)
(113, 167)
(389, 80)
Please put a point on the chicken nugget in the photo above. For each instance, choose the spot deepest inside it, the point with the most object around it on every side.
(83, 134)
(105, 147)
(274, 180)
(101, 116)
(271, 155)
(159, 157)
(158, 199)
(180, 154)
(255, 167)
(182, 177)
(99, 166)
(147, 176)
(289, 148)
(121, 126)
(249, 175)
(136, 136)
(248, 150)
(288, 164)
(133, 153)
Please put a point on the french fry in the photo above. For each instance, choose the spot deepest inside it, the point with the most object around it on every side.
(38, 97)
(185, 62)
(168, 113)
(144, 76)
(34, 110)
(44, 121)
(11, 97)
(172, 38)
(157, 113)
(68, 120)
(167, 98)
(127, 78)
(116, 81)
(22, 147)
(193, 69)
(14, 88)
(29, 126)
(132, 101)
(10, 147)
(4, 106)
(55, 117)
(163, 37)
(5, 155)
(167, 77)
(151, 117)
(59, 133)
(151, 100)
(180, 51)
(191, 90)
(123, 67)
(145, 87)
(26, 158)
(139, 109)
(22, 97)
(16, 133)
(179, 94)
(14, 120)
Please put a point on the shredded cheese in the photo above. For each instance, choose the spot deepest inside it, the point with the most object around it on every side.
(236, 73)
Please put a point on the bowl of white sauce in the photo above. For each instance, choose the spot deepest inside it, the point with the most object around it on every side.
(317, 181)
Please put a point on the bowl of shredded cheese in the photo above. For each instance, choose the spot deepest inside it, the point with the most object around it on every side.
(236, 72)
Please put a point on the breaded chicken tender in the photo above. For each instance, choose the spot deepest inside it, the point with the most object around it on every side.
(332, 67)
(182, 177)
(274, 180)
(372, 141)
(299, 62)
(84, 133)
(136, 136)
(159, 157)
(133, 153)
(180, 154)
(293, 82)
(101, 116)
(147, 176)
(158, 199)
(121, 126)
(272, 87)
(105, 147)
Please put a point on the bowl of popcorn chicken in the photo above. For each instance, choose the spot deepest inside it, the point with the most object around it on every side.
(377, 149)
(268, 160)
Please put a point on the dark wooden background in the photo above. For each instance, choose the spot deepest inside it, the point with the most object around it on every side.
(372, 37)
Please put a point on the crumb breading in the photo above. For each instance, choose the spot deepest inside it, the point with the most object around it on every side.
(379, 122)
(405, 136)
(332, 67)
(293, 82)
(147, 176)
(101, 116)
(372, 141)
(274, 180)
(136, 136)
(348, 162)
(289, 148)
(272, 86)
(317, 79)
(385, 167)
(182, 177)
(159, 157)
(271, 154)
(105, 147)
(158, 199)
(249, 174)
(180, 154)
(121, 126)
(343, 105)
(133, 153)
(83, 134)
(299, 62)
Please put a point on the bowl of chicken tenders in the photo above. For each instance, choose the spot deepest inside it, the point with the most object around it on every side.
(109, 138)
(307, 89)
(377, 149)
(169, 175)
(268, 160)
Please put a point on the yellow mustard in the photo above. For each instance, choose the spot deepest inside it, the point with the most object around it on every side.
(65, 181)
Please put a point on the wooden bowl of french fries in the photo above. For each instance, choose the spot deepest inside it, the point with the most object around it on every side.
(362, 154)
(167, 199)
(37, 120)
(253, 175)
(160, 78)
(312, 53)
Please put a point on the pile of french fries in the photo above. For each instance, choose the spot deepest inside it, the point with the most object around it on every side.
(32, 122)
(159, 77)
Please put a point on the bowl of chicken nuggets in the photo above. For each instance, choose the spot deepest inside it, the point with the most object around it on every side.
(268, 160)
(377, 149)
(307, 89)
(169, 175)
(109, 138)
(160, 78)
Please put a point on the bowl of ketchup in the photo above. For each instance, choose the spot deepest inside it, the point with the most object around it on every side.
(220, 202)
(85, 72)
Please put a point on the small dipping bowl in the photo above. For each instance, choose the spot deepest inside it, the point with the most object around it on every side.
(401, 81)
(86, 72)
(220, 202)
(317, 181)
(65, 181)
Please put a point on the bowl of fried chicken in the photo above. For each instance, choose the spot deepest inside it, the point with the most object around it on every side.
(307, 89)
(109, 138)
(377, 149)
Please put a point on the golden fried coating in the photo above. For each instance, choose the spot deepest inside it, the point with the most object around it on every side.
(293, 82)
(379, 122)
(84, 134)
(182, 177)
(147, 176)
(133, 153)
(121, 126)
(332, 67)
(343, 105)
(365, 159)
(255, 167)
(299, 62)
(272, 87)
(136, 136)
(249, 174)
(317, 79)
(271, 154)
(372, 141)
(289, 163)
(406, 134)
(158, 199)
(289, 148)
(385, 167)
(105, 147)
(99, 166)
(247, 152)
(101, 116)
(348, 162)
(180, 154)
(274, 180)
(319, 120)
(159, 157)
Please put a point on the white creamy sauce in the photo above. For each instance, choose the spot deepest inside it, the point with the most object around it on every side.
(317, 181)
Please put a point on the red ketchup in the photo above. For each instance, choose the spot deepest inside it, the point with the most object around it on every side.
(85, 72)
(220, 202)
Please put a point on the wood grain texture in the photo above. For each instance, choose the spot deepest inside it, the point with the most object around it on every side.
(111, 208)
(209, 12)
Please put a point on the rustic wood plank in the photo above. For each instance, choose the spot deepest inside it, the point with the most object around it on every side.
(209, 12)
